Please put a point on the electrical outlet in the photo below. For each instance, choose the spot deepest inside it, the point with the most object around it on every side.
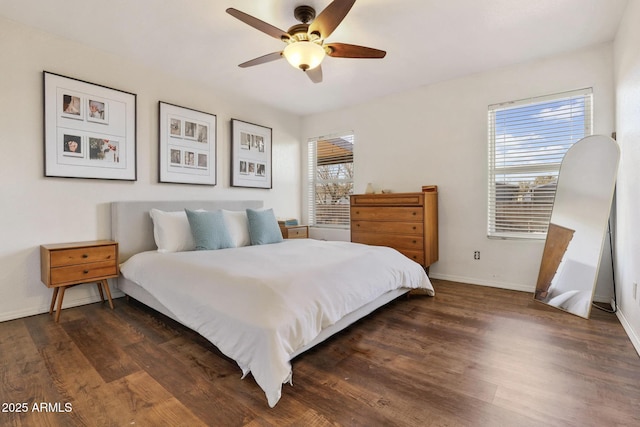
(635, 290)
(476, 255)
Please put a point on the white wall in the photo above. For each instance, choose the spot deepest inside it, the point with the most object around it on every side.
(37, 210)
(438, 135)
(627, 230)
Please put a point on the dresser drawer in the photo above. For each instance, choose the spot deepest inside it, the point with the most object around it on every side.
(391, 227)
(415, 243)
(83, 272)
(405, 199)
(83, 255)
(387, 214)
(417, 256)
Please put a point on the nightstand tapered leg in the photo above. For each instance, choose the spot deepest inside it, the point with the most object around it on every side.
(105, 285)
(53, 300)
(99, 284)
(60, 298)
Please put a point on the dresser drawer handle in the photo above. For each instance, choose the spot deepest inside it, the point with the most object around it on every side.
(85, 256)
(415, 241)
(414, 213)
(414, 227)
(85, 271)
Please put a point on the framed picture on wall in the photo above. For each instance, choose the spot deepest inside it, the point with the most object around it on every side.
(250, 155)
(187, 152)
(89, 130)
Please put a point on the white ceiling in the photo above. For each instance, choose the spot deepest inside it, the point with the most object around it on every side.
(426, 40)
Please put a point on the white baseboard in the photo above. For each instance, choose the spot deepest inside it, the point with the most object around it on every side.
(635, 340)
(32, 311)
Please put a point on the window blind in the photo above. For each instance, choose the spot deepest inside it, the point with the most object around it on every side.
(330, 178)
(527, 142)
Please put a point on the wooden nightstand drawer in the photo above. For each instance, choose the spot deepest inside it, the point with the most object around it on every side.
(83, 272)
(295, 232)
(83, 255)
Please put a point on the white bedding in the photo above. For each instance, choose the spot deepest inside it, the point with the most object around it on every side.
(259, 304)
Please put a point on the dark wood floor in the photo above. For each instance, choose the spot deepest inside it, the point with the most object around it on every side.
(471, 356)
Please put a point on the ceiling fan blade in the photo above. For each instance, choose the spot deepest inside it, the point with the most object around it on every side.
(261, 59)
(315, 74)
(344, 50)
(258, 24)
(329, 19)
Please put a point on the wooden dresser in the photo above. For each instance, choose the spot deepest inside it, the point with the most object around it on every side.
(407, 222)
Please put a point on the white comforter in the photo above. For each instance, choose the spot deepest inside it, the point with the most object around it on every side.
(259, 304)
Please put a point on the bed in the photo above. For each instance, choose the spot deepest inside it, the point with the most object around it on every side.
(261, 305)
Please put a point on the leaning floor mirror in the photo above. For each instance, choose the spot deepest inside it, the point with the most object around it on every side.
(578, 225)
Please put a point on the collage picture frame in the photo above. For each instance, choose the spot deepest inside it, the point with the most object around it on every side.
(89, 130)
(251, 148)
(187, 145)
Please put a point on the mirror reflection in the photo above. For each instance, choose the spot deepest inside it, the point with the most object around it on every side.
(578, 225)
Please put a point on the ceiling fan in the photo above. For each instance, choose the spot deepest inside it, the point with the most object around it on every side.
(306, 46)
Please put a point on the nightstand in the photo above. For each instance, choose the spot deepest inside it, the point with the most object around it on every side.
(295, 231)
(64, 265)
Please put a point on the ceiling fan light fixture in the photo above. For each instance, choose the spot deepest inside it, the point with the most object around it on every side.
(304, 55)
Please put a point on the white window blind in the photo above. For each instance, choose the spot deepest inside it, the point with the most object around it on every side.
(527, 142)
(330, 180)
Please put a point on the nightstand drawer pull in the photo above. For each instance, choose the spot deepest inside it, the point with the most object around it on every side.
(85, 271)
(85, 256)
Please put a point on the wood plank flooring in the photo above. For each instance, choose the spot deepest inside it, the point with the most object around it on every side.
(470, 356)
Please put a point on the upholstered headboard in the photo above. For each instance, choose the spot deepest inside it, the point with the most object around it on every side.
(132, 228)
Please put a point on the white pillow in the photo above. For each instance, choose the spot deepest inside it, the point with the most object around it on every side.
(171, 231)
(238, 227)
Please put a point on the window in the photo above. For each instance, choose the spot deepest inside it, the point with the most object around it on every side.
(527, 141)
(330, 180)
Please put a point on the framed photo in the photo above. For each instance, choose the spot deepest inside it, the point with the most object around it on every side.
(89, 130)
(187, 152)
(250, 155)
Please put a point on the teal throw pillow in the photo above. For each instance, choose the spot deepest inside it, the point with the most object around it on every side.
(209, 230)
(263, 227)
